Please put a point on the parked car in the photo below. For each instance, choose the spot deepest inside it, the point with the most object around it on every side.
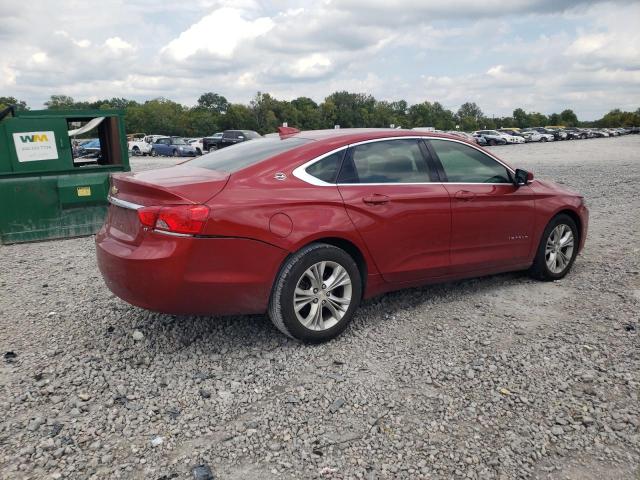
(558, 133)
(88, 148)
(172, 147)
(536, 136)
(196, 143)
(480, 140)
(511, 131)
(598, 133)
(229, 137)
(465, 135)
(306, 225)
(211, 141)
(492, 137)
(576, 133)
(139, 144)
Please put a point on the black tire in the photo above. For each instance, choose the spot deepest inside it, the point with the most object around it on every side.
(281, 305)
(492, 142)
(198, 151)
(539, 270)
(136, 151)
(175, 153)
(543, 139)
(154, 153)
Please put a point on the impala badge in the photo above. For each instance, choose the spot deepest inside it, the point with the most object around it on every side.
(114, 190)
(280, 176)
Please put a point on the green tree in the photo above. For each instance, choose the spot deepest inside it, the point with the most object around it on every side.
(308, 114)
(213, 101)
(554, 119)
(469, 116)
(568, 118)
(7, 101)
(351, 110)
(60, 102)
(520, 118)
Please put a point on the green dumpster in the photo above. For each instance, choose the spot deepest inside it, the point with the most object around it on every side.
(54, 171)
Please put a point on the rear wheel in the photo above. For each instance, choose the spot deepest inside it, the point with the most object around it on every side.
(316, 293)
(154, 153)
(557, 250)
(136, 151)
(492, 142)
(543, 139)
(175, 153)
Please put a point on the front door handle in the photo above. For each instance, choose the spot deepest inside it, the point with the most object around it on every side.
(376, 199)
(464, 195)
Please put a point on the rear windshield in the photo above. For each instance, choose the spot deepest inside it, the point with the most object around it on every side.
(236, 157)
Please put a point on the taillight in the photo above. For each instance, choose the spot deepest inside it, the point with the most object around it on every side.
(175, 218)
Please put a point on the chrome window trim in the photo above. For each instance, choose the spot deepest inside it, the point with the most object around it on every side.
(301, 174)
(123, 203)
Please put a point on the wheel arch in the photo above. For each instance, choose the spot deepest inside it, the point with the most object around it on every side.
(347, 245)
(575, 217)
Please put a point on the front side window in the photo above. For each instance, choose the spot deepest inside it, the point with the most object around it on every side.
(465, 164)
(388, 161)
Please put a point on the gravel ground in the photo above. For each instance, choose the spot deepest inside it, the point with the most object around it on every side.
(498, 377)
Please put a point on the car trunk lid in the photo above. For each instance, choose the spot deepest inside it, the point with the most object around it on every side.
(179, 185)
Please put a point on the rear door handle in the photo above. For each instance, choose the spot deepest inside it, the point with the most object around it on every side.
(376, 199)
(464, 195)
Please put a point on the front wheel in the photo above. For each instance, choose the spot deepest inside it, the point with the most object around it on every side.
(557, 250)
(543, 139)
(154, 153)
(316, 293)
(492, 142)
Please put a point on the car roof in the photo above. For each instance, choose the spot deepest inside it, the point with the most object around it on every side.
(353, 135)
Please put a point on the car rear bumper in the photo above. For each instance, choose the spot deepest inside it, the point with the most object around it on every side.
(188, 275)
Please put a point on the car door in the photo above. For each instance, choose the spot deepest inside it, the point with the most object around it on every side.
(161, 146)
(229, 138)
(401, 211)
(492, 219)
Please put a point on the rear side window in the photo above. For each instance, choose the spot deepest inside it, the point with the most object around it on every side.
(236, 157)
(388, 161)
(327, 168)
(465, 164)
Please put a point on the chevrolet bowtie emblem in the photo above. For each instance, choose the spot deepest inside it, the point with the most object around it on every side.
(114, 190)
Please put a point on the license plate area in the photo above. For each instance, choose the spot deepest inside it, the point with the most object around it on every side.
(123, 223)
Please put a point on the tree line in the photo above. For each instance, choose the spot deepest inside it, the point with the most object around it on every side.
(264, 113)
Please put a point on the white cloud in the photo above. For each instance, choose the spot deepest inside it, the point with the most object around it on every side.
(217, 34)
(117, 45)
(544, 55)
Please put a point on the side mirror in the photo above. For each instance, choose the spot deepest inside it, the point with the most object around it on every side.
(522, 177)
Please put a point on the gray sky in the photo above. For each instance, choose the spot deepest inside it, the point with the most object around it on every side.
(542, 55)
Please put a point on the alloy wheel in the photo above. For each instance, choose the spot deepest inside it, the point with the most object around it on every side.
(559, 248)
(322, 295)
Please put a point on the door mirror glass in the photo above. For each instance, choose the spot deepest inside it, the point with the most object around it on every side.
(522, 177)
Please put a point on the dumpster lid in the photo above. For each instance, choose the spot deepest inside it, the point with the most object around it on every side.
(91, 124)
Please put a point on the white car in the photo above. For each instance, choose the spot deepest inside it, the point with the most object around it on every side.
(510, 138)
(139, 144)
(534, 136)
(195, 143)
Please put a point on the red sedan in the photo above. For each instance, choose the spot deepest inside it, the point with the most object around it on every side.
(306, 224)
